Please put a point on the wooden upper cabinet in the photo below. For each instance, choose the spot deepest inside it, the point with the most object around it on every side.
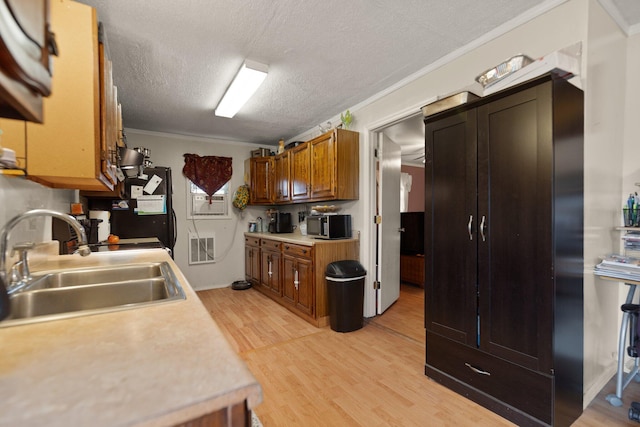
(300, 172)
(71, 148)
(25, 76)
(261, 180)
(334, 166)
(110, 114)
(282, 177)
(324, 168)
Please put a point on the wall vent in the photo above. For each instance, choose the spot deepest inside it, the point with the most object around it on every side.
(202, 248)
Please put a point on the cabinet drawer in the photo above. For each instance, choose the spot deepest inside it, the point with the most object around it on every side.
(299, 251)
(274, 245)
(515, 386)
(252, 241)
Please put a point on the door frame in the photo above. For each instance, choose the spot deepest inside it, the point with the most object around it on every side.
(370, 137)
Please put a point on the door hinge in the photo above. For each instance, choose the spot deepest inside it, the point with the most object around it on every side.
(377, 219)
(376, 285)
(375, 153)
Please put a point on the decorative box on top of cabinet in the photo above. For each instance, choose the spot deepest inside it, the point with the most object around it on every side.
(503, 259)
(76, 145)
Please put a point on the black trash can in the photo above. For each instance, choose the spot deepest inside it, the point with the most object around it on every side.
(345, 292)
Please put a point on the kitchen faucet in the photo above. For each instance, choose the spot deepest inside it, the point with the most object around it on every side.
(19, 275)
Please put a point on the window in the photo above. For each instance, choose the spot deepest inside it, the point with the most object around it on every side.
(200, 207)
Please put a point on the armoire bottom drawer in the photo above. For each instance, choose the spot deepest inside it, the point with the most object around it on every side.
(521, 388)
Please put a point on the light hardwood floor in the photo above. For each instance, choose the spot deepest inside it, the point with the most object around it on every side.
(370, 377)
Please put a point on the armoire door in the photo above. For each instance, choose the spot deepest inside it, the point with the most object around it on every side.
(451, 228)
(515, 251)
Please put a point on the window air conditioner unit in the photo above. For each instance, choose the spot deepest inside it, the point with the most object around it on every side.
(200, 205)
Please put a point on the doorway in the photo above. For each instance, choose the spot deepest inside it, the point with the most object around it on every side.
(405, 299)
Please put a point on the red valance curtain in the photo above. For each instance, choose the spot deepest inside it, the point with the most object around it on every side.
(209, 173)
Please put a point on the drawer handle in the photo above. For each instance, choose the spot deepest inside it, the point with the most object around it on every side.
(476, 370)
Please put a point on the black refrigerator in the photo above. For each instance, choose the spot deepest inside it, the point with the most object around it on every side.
(147, 208)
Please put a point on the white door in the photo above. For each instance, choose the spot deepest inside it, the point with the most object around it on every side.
(389, 227)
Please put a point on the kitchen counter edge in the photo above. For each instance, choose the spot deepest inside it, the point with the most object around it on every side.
(161, 365)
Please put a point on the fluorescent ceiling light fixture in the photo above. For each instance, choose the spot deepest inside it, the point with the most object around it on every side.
(243, 86)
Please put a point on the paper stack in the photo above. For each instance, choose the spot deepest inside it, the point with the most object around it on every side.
(620, 267)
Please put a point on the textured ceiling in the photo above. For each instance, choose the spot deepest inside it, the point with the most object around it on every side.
(173, 60)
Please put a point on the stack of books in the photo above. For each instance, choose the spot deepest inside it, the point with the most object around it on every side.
(632, 241)
(619, 267)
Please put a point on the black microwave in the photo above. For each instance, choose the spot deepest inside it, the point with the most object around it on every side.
(329, 226)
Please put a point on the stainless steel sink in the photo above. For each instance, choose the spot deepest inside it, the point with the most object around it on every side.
(80, 292)
(92, 276)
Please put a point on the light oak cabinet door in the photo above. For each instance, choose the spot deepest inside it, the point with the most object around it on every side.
(75, 146)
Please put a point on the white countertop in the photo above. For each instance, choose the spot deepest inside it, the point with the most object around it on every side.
(151, 366)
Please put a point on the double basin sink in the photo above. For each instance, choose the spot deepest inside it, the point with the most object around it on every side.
(62, 294)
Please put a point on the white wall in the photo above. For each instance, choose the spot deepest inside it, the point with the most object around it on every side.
(18, 195)
(605, 54)
(168, 150)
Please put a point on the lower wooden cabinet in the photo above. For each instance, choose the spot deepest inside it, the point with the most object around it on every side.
(297, 276)
(252, 260)
(412, 269)
(271, 267)
(293, 274)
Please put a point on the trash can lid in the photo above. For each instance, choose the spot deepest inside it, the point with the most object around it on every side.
(345, 269)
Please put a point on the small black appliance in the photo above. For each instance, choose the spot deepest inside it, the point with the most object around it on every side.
(280, 222)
